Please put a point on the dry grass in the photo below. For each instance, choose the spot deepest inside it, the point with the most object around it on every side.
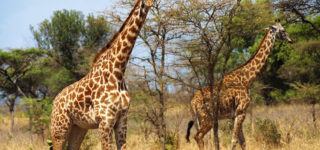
(20, 138)
(293, 122)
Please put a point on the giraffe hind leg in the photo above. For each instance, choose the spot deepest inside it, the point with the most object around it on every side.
(204, 128)
(76, 137)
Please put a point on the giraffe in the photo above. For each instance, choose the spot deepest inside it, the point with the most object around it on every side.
(100, 99)
(234, 94)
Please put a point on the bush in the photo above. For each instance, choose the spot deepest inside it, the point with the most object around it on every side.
(39, 111)
(172, 141)
(266, 131)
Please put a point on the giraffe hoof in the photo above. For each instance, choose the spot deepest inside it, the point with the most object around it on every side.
(149, 3)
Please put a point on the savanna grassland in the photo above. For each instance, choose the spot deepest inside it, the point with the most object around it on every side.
(183, 46)
(292, 122)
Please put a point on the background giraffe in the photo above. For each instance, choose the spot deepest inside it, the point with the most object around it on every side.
(234, 92)
(100, 99)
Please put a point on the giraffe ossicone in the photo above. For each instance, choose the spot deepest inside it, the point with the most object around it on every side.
(234, 95)
(100, 99)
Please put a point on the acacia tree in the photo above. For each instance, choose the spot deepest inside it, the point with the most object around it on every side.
(70, 39)
(302, 63)
(15, 66)
(300, 11)
(208, 31)
(297, 62)
(156, 35)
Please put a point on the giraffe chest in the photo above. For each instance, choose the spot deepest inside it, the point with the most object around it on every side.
(93, 103)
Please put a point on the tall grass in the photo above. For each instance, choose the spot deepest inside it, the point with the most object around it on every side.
(292, 122)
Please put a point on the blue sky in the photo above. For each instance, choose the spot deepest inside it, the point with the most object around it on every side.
(17, 15)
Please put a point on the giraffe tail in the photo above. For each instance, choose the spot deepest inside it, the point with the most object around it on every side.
(190, 124)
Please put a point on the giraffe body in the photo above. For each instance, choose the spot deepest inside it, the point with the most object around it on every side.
(234, 95)
(100, 99)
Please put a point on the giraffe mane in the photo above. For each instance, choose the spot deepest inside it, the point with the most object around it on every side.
(109, 44)
(252, 57)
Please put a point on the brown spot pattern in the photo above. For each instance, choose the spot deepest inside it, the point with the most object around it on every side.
(234, 99)
(89, 100)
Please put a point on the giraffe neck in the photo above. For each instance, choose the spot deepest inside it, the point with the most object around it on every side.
(252, 68)
(113, 58)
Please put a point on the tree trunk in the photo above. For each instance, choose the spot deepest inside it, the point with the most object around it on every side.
(161, 92)
(216, 103)
(162, 123)
(30, 117)
(215, 129)
(12, 121)
(313, 111)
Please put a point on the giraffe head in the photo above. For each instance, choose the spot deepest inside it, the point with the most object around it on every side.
(280, 32)
(148, 3)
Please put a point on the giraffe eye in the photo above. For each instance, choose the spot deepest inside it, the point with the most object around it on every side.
(283, 31)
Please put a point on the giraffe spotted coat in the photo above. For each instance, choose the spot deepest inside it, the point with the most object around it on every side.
(234, 95)
(100, 99)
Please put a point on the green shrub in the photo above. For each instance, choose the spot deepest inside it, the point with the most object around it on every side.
(171, 141)
(266, 131)
(39, 111)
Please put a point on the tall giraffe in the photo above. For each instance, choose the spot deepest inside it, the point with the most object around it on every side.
(234, 98)
(100, 99)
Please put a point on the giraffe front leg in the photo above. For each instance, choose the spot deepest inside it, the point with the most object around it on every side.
(242, 140)
(121, 131)
(237, 131)
(105, 128)
(60, 129)
(240, 115)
